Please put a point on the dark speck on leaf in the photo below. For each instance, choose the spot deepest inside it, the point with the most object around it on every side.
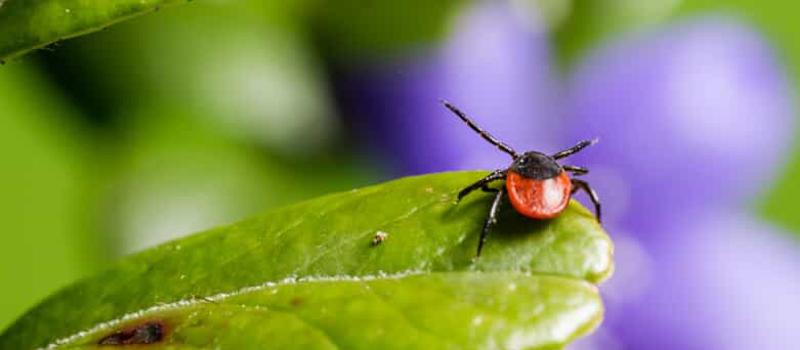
(379, 237)
(297, 301)
(146, 333)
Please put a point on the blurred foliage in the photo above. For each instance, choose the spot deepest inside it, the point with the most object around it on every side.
(256, 78)
(44, 186)
(590, 22)
(177, 175)
(179, 114)
(219, 152)
(29, 24)
(353, 29)
(347, 28)
(329, 240)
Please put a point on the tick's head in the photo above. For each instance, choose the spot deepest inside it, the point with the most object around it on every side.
(536, 165)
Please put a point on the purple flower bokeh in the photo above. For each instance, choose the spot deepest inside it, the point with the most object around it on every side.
(695, 115)
(722, 282)
(695, 119)
(493, 68)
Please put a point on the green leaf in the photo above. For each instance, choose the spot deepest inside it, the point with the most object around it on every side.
(47, 243)
(348, 29)
(591, 23)
(29, 24)
(308, 276)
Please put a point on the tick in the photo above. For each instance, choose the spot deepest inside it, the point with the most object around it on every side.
(537, 186)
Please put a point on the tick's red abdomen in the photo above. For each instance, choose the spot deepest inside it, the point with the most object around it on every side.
(538, 199)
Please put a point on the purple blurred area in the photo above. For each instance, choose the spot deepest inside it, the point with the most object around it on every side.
(725, 281)
(695, 119)
(493, 67)
(692, 115)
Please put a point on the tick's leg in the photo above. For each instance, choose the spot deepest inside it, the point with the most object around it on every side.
(576, 170)
(486, 136)
(583, 185)
(487, 189)
(490, 220)
(494, 176)
(574, 149)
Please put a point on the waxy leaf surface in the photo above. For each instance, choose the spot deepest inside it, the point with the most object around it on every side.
(308, 276)
(29, 24)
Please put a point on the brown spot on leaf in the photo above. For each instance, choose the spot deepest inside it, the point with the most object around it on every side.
(297, 301)
(379, 237)
(146, 333)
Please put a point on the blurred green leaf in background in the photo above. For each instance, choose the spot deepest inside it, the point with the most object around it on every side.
(161, 126)
(27, 25)
(351, 30)
(45, 182)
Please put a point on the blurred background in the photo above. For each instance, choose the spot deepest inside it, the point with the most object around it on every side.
(203, 114)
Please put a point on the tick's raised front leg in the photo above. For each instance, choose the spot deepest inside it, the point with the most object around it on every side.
(494, 176)
(574, 149)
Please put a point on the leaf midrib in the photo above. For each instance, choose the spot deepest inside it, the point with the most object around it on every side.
(222, 297)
